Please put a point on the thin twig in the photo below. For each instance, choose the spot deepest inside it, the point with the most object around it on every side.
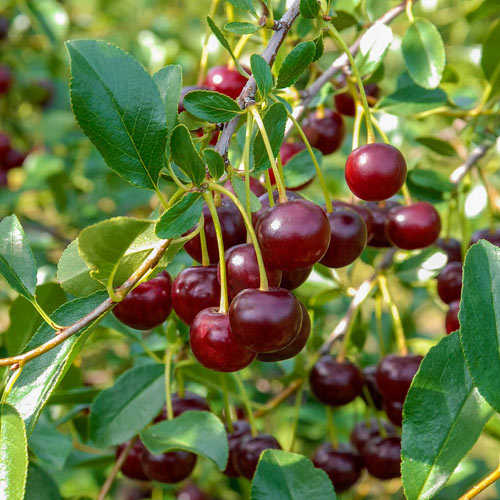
(476, 154)
(279, 398)
(482, 485)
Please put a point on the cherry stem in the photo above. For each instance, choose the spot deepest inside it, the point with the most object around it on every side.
(491, 210)
(246, 403)
(176, 179)
(45, 316)
(224, 301)
(482, 485)
(204, 52)
(11, 382)
(246, 163)
(378, 319)
(267, 144)
(452, 206)
(382, 134)
(168, 386)
(409, 12)
(358, 119)
(227, 404)
(295, 423)
(205, 259)
(406, 194)
(264, 286)
(180, 383)
(269, 188)
(332, 431)
(279, 398)
(359, 81)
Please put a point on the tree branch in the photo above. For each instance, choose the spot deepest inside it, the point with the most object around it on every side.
(476, 154)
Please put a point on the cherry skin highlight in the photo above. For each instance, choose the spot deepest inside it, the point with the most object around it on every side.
(382, 457)
(394, 375)
(375, 172)
(195, 289)
(171, 467)
(214, 345)
(293, 279)
(449, 282)
(265, 321)
(293, 235)
(366, 430)
(226, 81)
(241, 429)
(249, 452)
(132, 467)
(324, 131)
(451, 323)
(451, 247)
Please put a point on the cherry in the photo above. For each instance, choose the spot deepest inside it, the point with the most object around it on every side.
(191, 492)
(451, 247)
(4, 27)
(214, 345)
(375, 172)
(335, 383)
(3, 177)
(287, 152)
(13, 159)
(382, 457)
(195, 289)
(449, 282)
(249, 451)
(370, 376)
(366, 430)
(452, 323)
(148, 305)
(240, 430)
(348, 238)
(132, 467)
(325, 131)
(394, 375)
(255, 186)
(345, 103)
(189, 402)
(486, 234)
(379, 238)
(342, 465)
(226, 81)
(362, 210)
(5, 79)
(414, 226)
(291, 350)
(264, 200)
(394, 412)
(243, 270)
(265, 321)
(4, 145)
(171, 467)
(293, 279)
(293, 235)
(233, 232)
(185, 90)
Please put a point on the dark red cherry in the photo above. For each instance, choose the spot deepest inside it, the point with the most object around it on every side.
(451, 247)
(452, 323)
(368, 429)
(4, 145)
(335, 383)
(189, 402)
(4, 27)
(287, 152)
(265, 321)
(233, 232)
(255, 186)
(171, 467)
(449, 282)
(132, 467)
(394, 412)
(5, 79)
(486, 234)
(147, 305)
(343, 465)
(379, 238)
(293, 235)
(345, 103)
(324, 131)
(375, 172)
(192, 492)
(370, 375)
(214, 345)
(226, 81)
(185, 90)
(195, 289)
(293, 279)
(395, 373)
(362, 210)
(243, 270)
(348, 238)
(3, 177)
(382, 457)
(291, 350)
(414, 226)
(264, 200)
(13, 159)
(240, 430)
(249, 452)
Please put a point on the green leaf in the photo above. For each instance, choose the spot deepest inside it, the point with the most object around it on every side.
(17, 262)
(343, 20)
(320, 47)
(191, 121)
(130, 133)
(40, 486)
(282, 475)
(181, 216)
(104, 244)
(262, 74)
(274, 123)
(440, 147)
(480, 318)
(489, 59)
(185, 154)
(373, 47)
(13, 454)
(41, 375)
(309, 9)
(215, 163)
(300, 168)
(169, 83)
(240, 190)
(49, 445)
(434, 442)
(211, 106)
(424, 54)
(244, 5)
(123, 410)
(412, 99)
(199, 432)
(242, 28)
(296, 63)
(51, 19)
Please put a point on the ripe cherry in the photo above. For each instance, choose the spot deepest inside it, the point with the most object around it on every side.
(195, 289)
(452, 323)
(486, 234)
(335, 383)
(255, 186)
(240, 430)
(5, 79)
(243, 270)
(233, 232)
(265, 321)
(214, 345)
(249, 452)
(291, 350)
(171, 467)
(325, 131)
(394, 412)
(348, 238)
(345, 103)
(264, 200)
(4, 27)
(226, 81)
(449, 282)
(4, 145)
(343, 465)
(13, 159)
(186, 90)
(414, 226)
(362, 210)
(370, 376)
(189, 402)
(3, 177)
(132, 467)
(375, 172)
(293, 279)
(379, 238)
(366, 430)
(293, 235)
(395, 373)
(451, 247)
(148, 305)
(382, 457)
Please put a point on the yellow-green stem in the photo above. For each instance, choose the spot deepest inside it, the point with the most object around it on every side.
(358, 119)
(246, 403)
(246, 162)
(409, 11)
(46, 317)
(332, 431)
(205, 259)
(10, 383)
(382, 134)
(227, 405)
(175, 178)
(163, 201)
(204, 52)
(295, 423)
(482, 485)
(378, 318)
(269, 188)
(406, 194)
(168, 386)
(178, 194)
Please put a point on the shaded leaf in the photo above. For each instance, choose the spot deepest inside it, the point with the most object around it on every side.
(309, 8)
(40, 486)
(186, 156)
(215, 163)
(439, 146)
(412, 99)
(181, 216)
(244, 5)
(49, 445)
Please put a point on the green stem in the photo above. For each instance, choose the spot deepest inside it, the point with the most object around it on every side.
(178, 194)
(406, 194)
(205, 259)
(10, 384)
(157, 493)
(246, 403)
(452, 206)
(180, 383)
(204, 52)
(227, 405)
(269, 188)
(409, 11)
(358, 119)
(295, 423)
(332, 431)
(378, 319)
(168, 387)
(176, 179)
(163, 201)
(376, 124)
(45, 316)
(246, 162)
